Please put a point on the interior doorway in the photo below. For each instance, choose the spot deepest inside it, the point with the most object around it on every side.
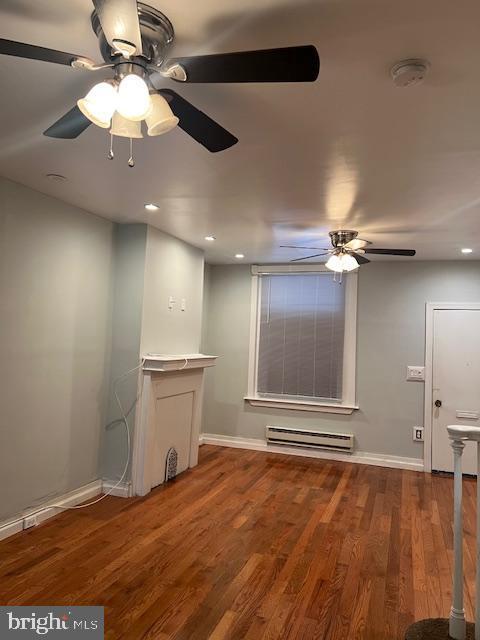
(452, 383)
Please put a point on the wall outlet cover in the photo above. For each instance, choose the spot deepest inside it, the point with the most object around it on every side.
(418, 434)
(30, 521)
(415, 373)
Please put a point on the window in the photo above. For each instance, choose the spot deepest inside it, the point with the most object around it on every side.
(303, 339)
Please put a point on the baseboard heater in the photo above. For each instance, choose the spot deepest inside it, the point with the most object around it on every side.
(312, 439)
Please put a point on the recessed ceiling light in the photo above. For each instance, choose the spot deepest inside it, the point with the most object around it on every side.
(467, 250)
(239, 256)
(56, 177)
(151, 207)
(210, 238)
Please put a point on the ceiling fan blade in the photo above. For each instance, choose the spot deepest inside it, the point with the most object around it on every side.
(197, 124)
(71, 125)
(360, 259)
(357, 243)
(315, 255)
(392, 252)
(293, 246)
(31, 51)
(288, 64)
(119, 20)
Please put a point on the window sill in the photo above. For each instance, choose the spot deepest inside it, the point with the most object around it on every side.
(299, 405)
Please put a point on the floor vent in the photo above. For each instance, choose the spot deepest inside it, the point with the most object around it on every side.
(171, 464)
(312, 439)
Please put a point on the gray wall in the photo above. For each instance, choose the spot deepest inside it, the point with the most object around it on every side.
(80, 300)
(129, 249)
(55, 307)
(150, 267)
(206, 308)
(391, 335)
(172, 268)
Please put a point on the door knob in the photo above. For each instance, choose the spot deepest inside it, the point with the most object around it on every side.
(438, 403)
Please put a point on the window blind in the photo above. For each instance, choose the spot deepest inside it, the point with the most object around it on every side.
(301, 336)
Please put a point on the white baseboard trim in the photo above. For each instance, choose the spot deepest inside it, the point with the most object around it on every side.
(70, 499)
(45, 511)
(360, 457)
(124, 489)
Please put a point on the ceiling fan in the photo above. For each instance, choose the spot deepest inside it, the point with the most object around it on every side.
(134, 40)
(348, 251)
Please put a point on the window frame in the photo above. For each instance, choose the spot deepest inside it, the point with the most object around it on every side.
(348, 403)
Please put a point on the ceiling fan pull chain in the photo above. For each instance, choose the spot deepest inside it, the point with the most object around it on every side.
(110, 153)
(131, 161)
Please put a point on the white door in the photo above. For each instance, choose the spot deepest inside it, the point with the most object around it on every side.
(455, 383)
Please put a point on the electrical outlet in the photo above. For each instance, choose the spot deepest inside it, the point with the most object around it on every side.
(30, 521)
(415, 373)
(418, 434)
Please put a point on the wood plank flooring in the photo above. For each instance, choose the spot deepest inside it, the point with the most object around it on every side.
(253, 546)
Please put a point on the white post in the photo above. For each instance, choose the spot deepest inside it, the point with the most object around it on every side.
(477, 584)
(457, 626)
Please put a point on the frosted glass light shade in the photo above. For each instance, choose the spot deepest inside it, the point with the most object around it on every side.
(99, 104)
(133, 98)
(125, 128)
(342, 262)
(160, 118)
(334, 264)
(348, 262)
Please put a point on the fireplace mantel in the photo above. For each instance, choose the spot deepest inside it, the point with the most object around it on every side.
(169, 414)
(160, 362)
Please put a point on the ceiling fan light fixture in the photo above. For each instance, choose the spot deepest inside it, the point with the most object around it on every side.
(341, 262)
(125, 128)
(160, 118)
(133, 98)
(100, 103)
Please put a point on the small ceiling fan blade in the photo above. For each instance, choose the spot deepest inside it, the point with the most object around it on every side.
(315, 255)
(32, 52)
(287, 64)
(197, 124)
(357, 243)
(296, 246)
(119, 20)
(392, 252)
(69, 126)
(360, 259)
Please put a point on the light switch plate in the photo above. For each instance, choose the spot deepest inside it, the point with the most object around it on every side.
(415, 373)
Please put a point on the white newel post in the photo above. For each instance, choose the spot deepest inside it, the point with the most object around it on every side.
(477, 581)
(457, 626)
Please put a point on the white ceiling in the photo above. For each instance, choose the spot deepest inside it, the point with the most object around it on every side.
(351, 150)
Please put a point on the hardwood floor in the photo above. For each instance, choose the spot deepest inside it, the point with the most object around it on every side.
(253, 546)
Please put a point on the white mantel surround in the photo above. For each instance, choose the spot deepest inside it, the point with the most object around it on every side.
(169, 415)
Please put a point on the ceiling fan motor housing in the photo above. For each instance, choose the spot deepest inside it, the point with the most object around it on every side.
(157, 37)
(340, 237)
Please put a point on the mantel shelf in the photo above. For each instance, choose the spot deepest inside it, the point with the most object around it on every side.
(178, 362)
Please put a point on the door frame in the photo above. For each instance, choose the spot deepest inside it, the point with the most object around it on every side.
(430, 309)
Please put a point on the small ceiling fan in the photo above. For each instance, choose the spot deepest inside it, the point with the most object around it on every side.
(348, 251)
(134, 40)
